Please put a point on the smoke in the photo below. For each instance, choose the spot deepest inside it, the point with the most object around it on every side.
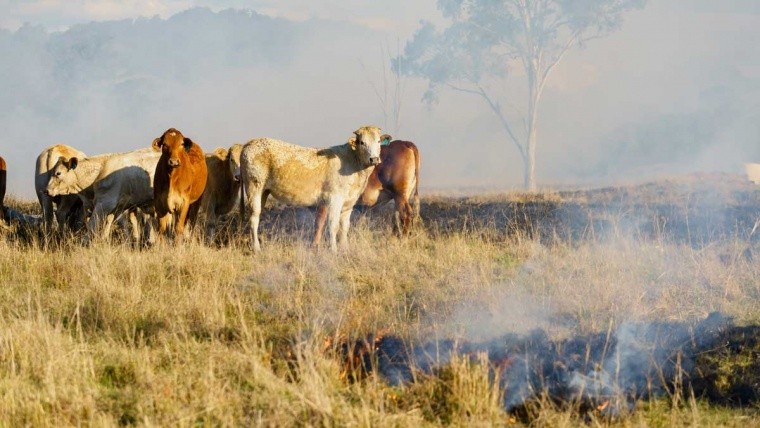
(605, 372)
(678, 94)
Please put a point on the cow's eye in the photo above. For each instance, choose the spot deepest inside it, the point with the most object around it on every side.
(58, 174)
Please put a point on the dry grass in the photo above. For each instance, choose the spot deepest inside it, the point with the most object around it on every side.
(195, 335)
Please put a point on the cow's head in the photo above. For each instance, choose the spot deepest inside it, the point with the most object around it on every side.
(233, 160)
(63, 179)
(367, 141)
(174, 145)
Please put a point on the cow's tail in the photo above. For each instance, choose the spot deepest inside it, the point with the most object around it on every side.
(416, 194)
(242, 204)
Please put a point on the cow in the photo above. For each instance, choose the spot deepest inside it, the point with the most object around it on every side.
(222, 186)
(397, 178)
(3, 171)
(76, 176)
(330, 179)
(67, 210)
(124, 183)
(179, 182)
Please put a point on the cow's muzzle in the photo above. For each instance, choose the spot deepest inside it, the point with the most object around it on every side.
(374, 161)
(173, 163)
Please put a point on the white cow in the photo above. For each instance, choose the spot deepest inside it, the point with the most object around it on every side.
(65, 206)
(77, 177)
(125, 182)
(330, 179)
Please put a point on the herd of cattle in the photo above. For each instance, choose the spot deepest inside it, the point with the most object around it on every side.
(174, 183)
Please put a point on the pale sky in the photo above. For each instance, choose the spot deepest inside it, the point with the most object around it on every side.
(672, 59)
(394, 16)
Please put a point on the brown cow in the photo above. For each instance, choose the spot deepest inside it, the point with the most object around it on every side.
(179, 182)
(397, 178)
(2, 188)
(223, 186)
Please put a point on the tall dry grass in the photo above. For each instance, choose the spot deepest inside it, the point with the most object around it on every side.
(200, 335)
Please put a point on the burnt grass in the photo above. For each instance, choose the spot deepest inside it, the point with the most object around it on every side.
(604, 373)
(693, 210)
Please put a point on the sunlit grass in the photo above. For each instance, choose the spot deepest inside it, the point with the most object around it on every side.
(191, 335)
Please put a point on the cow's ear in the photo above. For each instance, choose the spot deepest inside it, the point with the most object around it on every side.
(157, 143)
(352, 141)
(73, 162)
(187, 144)
(385, 139)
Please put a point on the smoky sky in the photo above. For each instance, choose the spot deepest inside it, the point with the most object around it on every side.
(674, 89)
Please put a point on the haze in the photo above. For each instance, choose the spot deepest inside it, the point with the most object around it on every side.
(673, 91)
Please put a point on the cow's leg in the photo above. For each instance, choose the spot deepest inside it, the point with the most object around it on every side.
(333, 219)
(103, 211)
(62, 211)
(254, 200)
(47, 211)
(179, 226)
(319, 224)
(405, 213)
(416, 204)
(108, 225)
(208, 218)
(70, 214)
(135, 224)
(164, 218)
(192, 216)
(149, 230)
(345, 221)
(92, 223)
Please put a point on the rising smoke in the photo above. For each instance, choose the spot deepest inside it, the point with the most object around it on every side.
(676, 93)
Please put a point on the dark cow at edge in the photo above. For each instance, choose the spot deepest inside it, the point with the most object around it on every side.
(397, 178)
(2, 188)
(179, 183)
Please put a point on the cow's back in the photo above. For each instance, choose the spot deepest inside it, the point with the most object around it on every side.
(293, 174)
(128, 178)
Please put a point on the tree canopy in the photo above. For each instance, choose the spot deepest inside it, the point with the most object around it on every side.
(485, 39)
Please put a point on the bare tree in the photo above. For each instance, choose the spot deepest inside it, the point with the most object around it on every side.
(390, 93)
(486, 38)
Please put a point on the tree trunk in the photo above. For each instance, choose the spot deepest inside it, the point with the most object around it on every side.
(534, 94)
(530, 159)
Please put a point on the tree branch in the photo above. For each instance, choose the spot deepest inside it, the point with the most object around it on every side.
(569, 44)
(497, 110)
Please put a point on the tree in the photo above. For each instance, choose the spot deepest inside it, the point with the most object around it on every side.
(487, 38)
(389, 97)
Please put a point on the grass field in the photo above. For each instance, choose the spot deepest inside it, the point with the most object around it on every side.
(200, 335)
